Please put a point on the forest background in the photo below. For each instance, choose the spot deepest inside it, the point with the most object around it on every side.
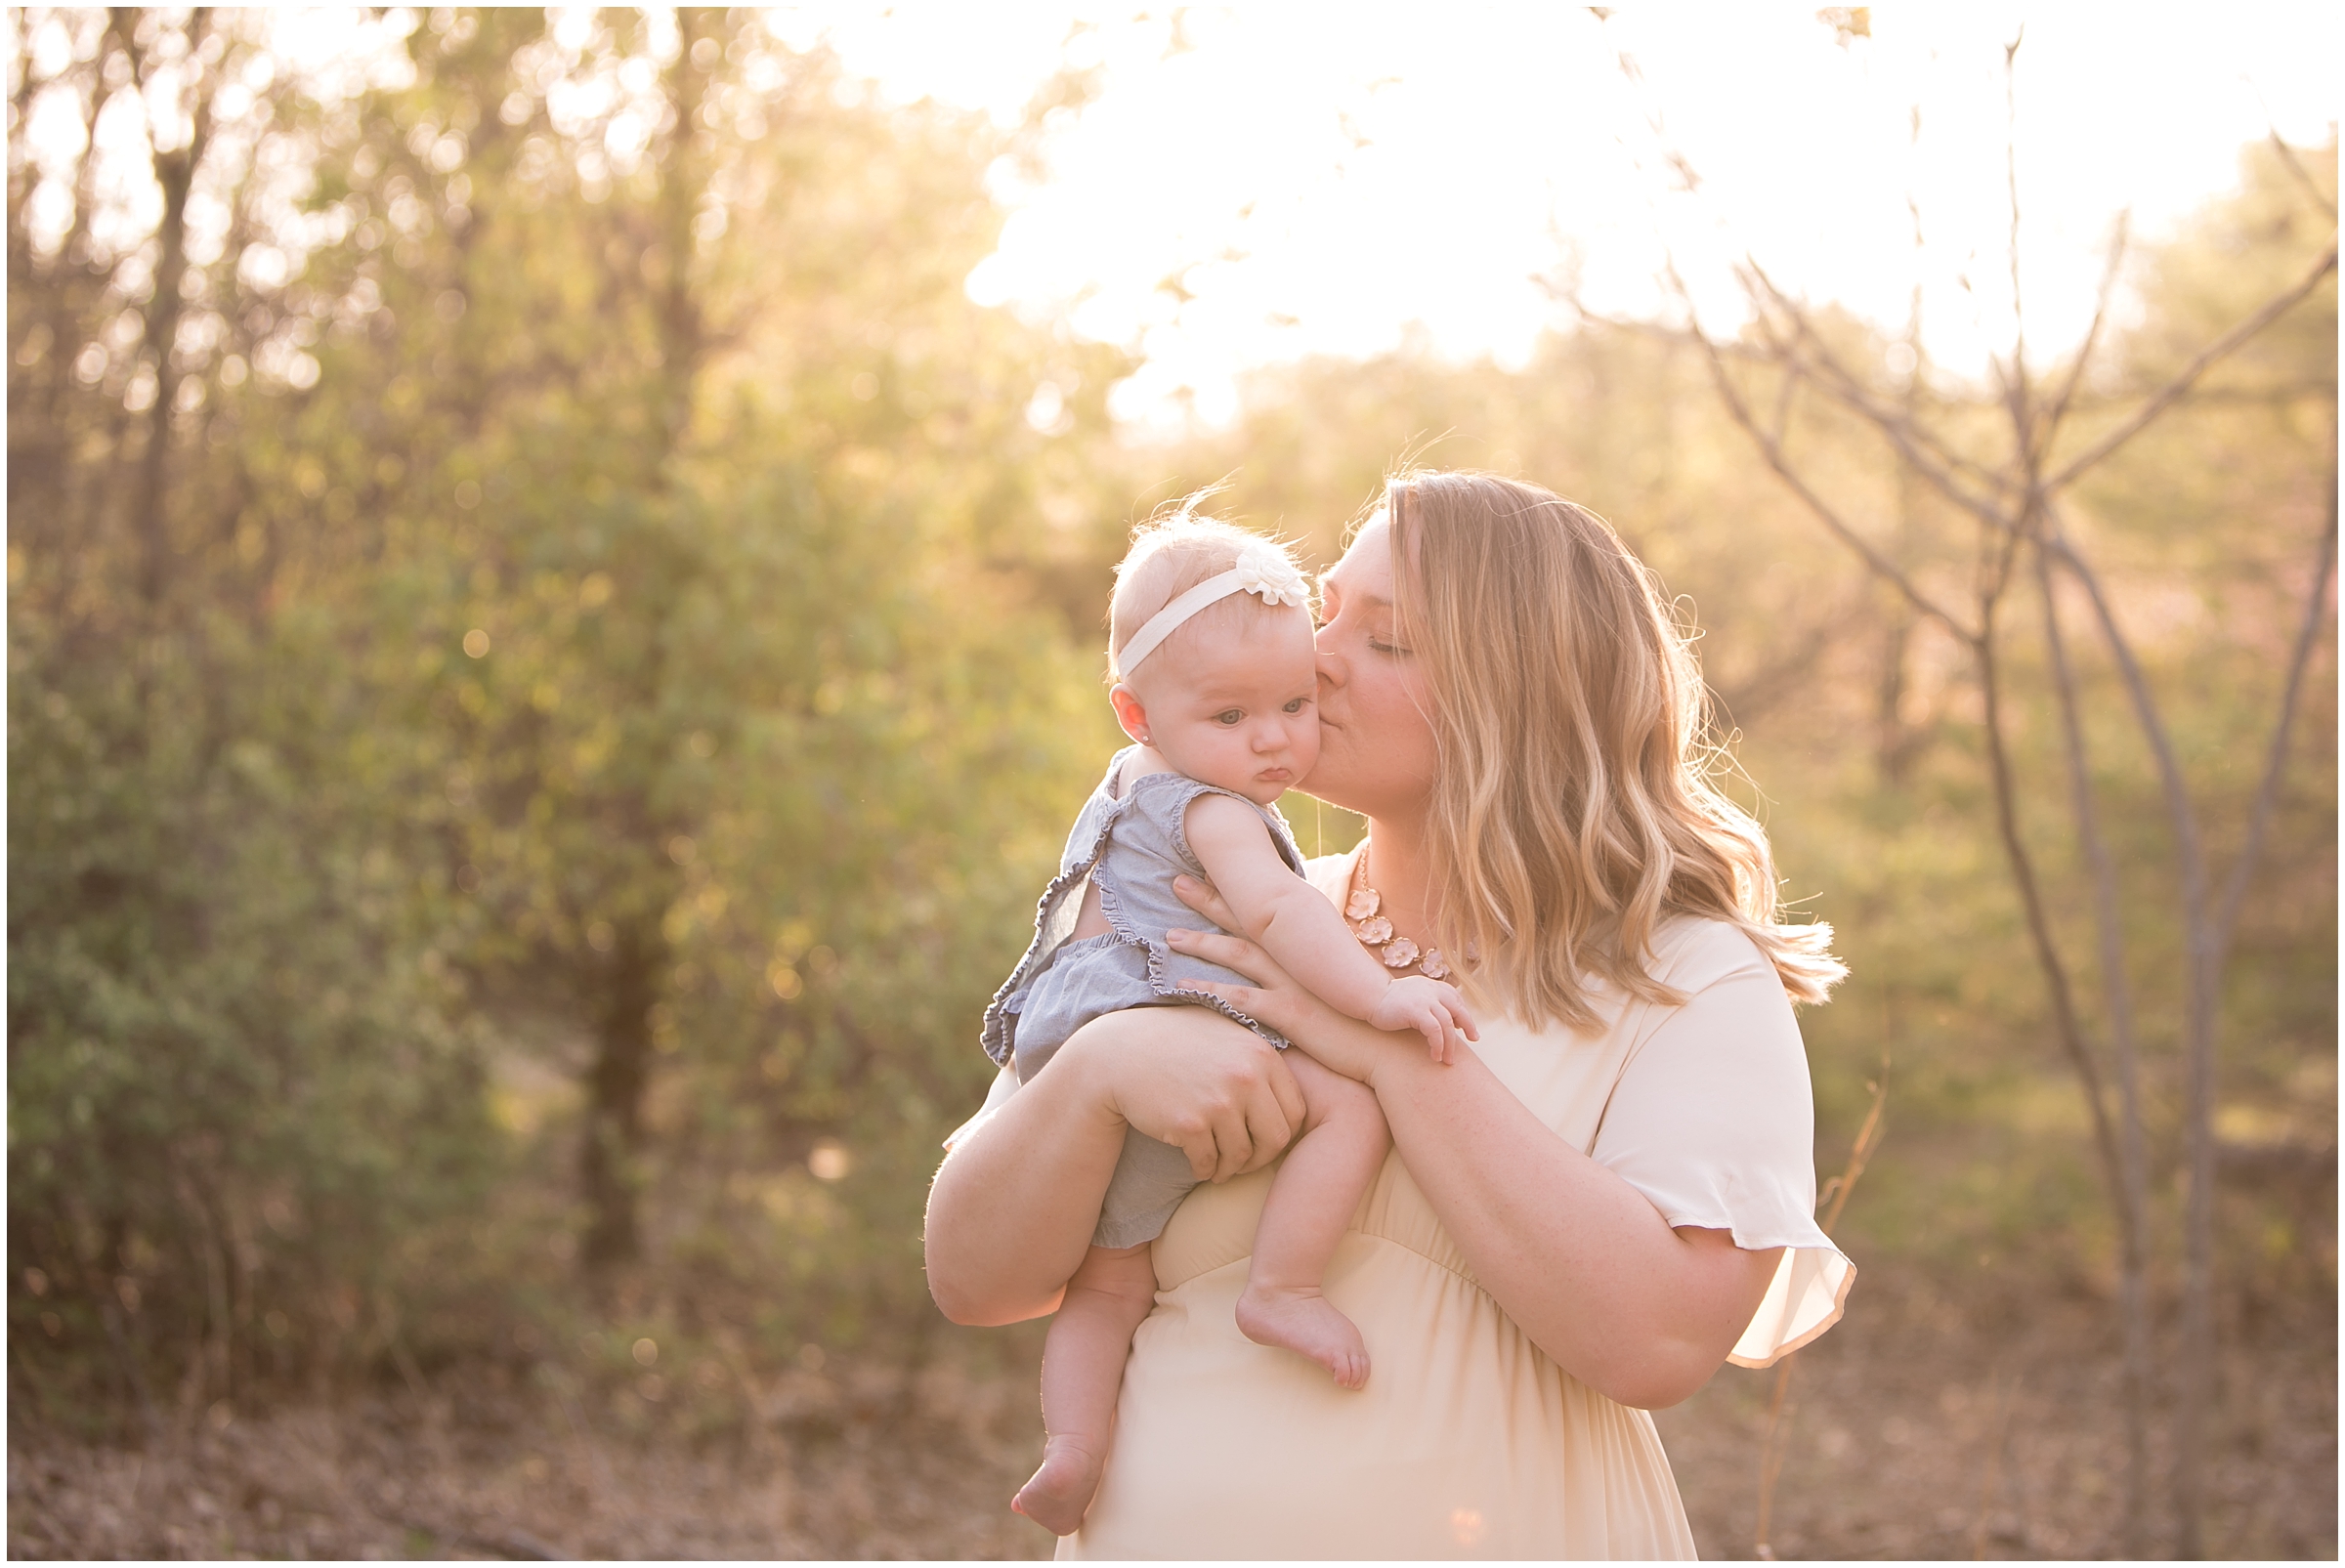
(551, 646)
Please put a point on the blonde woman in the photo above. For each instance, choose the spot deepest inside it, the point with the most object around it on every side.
(1583, 1216)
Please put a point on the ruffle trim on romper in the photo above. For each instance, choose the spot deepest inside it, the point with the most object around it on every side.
(999, 1036)
(996, 1033)
(1160, 956)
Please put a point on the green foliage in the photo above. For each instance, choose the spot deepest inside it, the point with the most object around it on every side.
(597, 737)
(544, 682)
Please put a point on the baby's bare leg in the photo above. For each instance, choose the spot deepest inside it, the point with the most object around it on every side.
(1082, 1368)
(1343, 1144)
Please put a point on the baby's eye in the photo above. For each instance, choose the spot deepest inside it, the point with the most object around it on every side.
(1298, 705)
(1228, 715)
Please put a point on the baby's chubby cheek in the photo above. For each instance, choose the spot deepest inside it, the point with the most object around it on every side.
(1307, 749)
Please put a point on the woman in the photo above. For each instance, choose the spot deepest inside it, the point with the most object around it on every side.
(1582, 1216)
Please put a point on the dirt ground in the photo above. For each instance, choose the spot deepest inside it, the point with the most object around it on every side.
(1921, 1429)
(1915, 1429)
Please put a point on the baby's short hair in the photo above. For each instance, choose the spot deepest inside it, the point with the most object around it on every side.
(1171, 554)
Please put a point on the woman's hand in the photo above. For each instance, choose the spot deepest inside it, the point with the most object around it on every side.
(1191, 1077)
(1013, 1207)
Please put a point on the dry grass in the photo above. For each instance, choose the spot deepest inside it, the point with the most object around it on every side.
(1921, 1427)
(857, 1466)
(1928, 1427)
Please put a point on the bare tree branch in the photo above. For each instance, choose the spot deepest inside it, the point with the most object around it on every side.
(2266, 793)
(1792, 377)
(175, 173)
(2015, 384)
(1923, 452)
(2304, 176)
(2032, 904)
(1936, 462)
(2272, 309)
(2145, 705)
(2195, 1364)
(1772, 451)
(2133, 1183)
(2059, 409)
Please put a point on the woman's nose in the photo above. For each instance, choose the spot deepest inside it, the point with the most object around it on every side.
(1332, 669)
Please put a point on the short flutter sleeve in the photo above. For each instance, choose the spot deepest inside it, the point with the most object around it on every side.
(1711, 1118)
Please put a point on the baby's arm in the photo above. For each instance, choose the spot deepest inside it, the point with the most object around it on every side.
(1300, 929)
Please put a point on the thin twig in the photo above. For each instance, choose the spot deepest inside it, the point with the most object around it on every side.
(2032, 903)
(1772, 451)
(2133, 1201)
(2145, 711)
(2304, 176)
(2016, 385)
(2267, 791)
(2270, 311)
(1772, 1449)
(1932, 457)
(2059, 409)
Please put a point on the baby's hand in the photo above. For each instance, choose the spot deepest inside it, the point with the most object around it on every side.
(1431, 1007)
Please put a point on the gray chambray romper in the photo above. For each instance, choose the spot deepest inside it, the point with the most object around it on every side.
(1131, 842)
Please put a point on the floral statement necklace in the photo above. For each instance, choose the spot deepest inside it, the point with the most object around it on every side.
(1375, 931)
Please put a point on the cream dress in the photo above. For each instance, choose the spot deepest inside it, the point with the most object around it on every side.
(1468, 1441)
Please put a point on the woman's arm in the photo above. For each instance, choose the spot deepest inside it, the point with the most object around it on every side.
(1582, 1262)
(1580, 1259)
(1015, 1202)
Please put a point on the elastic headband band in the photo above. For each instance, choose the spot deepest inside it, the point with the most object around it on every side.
(1262, 568)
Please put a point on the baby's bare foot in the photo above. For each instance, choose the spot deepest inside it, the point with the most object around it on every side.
(1301, 1320)
(1061, 1493)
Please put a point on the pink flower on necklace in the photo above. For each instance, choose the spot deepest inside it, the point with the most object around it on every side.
(1376, 930)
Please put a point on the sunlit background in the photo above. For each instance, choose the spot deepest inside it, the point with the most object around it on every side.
(556, 564)
(1257, 184)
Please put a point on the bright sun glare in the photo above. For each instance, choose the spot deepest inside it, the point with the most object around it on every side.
(1252, 185)
(1255, 184)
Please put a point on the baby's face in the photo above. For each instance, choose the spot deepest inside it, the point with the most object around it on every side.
(1238, 711)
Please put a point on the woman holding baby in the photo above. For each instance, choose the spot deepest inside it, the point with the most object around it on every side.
(1594, 1196)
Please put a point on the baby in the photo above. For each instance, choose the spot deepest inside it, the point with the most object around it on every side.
(1211, 646)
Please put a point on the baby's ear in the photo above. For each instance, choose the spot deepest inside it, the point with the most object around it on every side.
(1129, 712)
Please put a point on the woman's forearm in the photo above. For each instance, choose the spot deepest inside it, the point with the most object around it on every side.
(1013, 1206)
(1580, 1259)
(1582, 1262)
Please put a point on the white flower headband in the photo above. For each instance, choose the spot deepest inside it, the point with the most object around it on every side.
(1263, 569)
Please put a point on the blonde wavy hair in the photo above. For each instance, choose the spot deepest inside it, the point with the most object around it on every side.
(1572, 808)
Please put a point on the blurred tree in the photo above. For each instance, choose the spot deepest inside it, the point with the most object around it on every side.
(238, 1087)
(596, 514)
(569, 740)
(2006, 479)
